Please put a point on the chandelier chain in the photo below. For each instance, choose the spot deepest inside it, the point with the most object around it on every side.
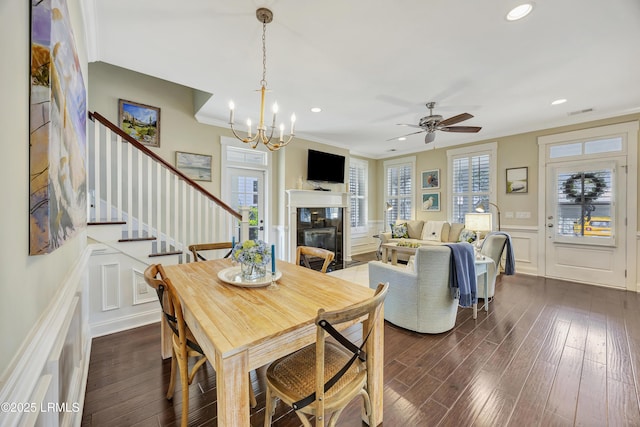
(263, 82)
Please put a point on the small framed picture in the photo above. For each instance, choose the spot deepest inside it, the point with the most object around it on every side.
(431, 201)
(194, 166)
(517, 180)
(431, 179)
(140, 121)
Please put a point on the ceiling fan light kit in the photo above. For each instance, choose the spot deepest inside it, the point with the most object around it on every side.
(434, 122)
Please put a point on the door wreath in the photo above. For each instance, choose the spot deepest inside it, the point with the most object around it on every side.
(593, 187)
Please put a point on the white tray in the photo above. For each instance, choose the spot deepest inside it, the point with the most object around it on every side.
(233, 276)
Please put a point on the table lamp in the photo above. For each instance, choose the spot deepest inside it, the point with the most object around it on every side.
(478, 222)
(480, 208)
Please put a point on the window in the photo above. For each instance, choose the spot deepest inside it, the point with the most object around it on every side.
(358, 176)
(399, 188)
(472, 176)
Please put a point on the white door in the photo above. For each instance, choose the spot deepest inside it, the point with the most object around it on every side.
(586, 228)
(246, 189)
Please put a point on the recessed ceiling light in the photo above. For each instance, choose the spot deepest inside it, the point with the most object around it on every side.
(519, 12)
(316, 109)
(559, 101)
(402, 138)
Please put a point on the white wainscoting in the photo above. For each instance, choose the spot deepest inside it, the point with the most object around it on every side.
(49, 373)
(524, 240)
(119, 298)
(364, 242)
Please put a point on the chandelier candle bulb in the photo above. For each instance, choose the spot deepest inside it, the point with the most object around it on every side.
(281, 131)
(249, 127)
(293, 121)
(231, 108)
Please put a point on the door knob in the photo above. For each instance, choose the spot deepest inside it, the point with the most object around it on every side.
(550, 225)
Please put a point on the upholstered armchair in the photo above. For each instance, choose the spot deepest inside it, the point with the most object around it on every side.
(419, 298)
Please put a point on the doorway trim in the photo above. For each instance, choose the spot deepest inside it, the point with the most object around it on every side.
(629, 132)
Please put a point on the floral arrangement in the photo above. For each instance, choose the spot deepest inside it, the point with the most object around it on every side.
(254, 252)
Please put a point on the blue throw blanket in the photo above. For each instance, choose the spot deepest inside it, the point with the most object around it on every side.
(510, 260)
(462, 277)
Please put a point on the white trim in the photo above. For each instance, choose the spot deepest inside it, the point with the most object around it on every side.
(137, 278)
(110, 281)
(629, 132)
(26, 373)
(396, 162)
(492, 149)
(123, 323)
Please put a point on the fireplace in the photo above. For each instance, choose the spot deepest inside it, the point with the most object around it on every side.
(321, 227)
(316, 218)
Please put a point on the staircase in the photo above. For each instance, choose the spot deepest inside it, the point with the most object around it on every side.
(142, 210)
(141, 205)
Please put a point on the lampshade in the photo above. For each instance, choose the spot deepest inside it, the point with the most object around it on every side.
(478, 221)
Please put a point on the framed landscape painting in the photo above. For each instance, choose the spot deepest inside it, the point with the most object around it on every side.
(194, 166)
(431, 201)
(517, 180)
(140, 121)
(431, 179)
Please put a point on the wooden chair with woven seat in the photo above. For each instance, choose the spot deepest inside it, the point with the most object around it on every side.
(197, 249)
(184, 343)
(309, 380)
(303, 253)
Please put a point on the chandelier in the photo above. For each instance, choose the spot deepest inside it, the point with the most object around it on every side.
(265, 16)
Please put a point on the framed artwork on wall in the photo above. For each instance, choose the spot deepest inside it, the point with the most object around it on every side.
(431, 201)
(140, 121)
(194, 166)
(431, 179)
(517, 180)
(57, 131)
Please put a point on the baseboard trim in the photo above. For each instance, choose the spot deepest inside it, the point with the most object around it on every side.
(124, 323)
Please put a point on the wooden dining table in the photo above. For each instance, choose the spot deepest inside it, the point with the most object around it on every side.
(244, 328)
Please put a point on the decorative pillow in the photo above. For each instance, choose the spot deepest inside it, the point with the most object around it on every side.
(399, 231)
(467, 236)
(432, 230)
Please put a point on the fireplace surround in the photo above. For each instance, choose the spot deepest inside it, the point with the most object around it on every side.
(317, 218)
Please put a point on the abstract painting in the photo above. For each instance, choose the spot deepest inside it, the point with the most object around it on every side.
(57, 130)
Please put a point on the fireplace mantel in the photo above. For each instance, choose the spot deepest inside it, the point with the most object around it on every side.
(308, 199)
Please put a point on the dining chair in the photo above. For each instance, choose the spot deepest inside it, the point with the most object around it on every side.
(303, 253)
(197, 249)
(300, 379)
(184, 343)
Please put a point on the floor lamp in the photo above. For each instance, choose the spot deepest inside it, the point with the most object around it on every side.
(480, 208)
(387, 207)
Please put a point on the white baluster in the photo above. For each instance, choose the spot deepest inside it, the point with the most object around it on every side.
(139, 216)
(129, 189)
(107, 173)
(118, 178)
(97, 178)
(148, 189)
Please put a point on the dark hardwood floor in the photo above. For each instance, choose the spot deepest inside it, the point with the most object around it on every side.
(549, 353)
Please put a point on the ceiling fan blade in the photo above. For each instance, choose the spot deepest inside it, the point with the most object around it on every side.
(456, 119)
(406, 124)
(395, 138)
(460, 128)
(429, 137)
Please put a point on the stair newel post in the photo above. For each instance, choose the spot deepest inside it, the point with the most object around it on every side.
(244, 223)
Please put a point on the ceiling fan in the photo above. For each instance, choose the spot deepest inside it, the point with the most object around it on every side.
(434, 122)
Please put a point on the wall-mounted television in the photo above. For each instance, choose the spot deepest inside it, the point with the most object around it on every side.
(325, 167)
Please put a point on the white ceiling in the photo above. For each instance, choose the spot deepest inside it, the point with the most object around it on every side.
(371, 64)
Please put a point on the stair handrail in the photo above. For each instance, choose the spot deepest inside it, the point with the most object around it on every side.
(125, 136)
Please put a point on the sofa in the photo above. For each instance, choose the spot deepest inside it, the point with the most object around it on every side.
(425, 233)
(419, 298)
